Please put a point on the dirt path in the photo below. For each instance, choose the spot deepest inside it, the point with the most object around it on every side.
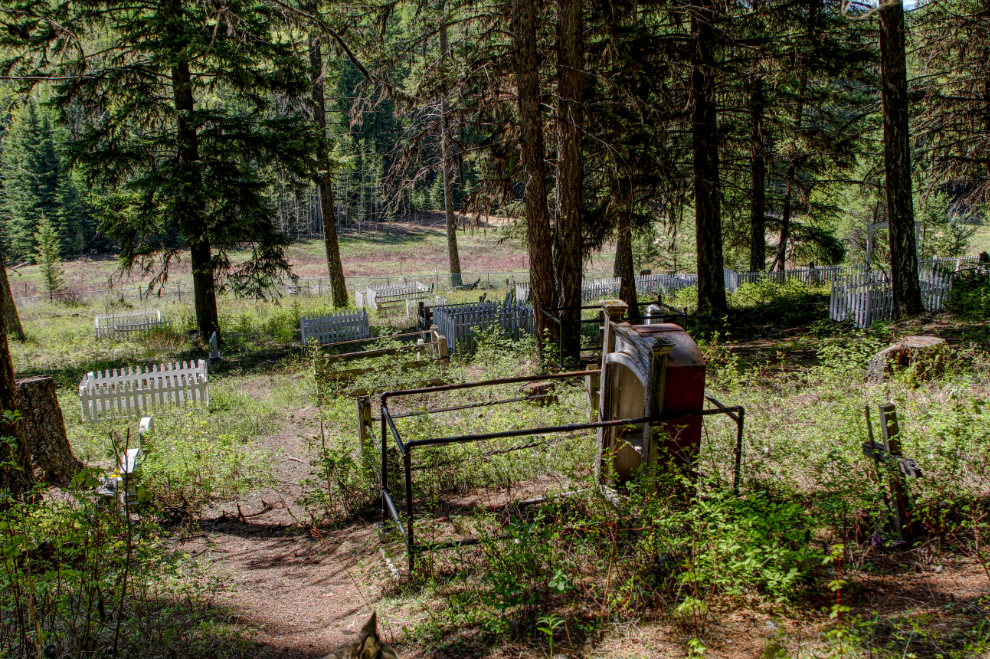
(301, 593)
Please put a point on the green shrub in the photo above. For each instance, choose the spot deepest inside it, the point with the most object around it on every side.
(80, 578)
(970, 295)
(188, 462)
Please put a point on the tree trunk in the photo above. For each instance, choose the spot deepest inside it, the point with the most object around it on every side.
(43, 429)
(13, 321)
(780, 260)
(897, 162)
(16, 471)
(195, 226)
(541, 271)
(446, 158)
(338, 287)
(704, 142)
(624, 264)
(570, 169)
(618, 263)
(758, 170)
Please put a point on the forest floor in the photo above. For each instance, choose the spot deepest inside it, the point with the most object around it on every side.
(297, 587)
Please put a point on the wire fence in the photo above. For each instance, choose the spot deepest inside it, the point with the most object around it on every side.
(441, 282)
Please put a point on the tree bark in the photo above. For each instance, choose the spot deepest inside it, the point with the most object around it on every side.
(532, 148)
(897, 162)
(570, 169)
(335, 267)
(43, 430)
(624, 264)
(704, 142)
(758, 171)
(16, 471)
(780, 260)
(13, 321)
(195, 226)
(446, 158)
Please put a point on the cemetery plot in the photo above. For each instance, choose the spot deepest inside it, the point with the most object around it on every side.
(491, 451)
(457, 322)
(389, 297)
(868, 297)
(487, 450)
(364, 371)
(132, 391)
(124, 325)
(332, 328)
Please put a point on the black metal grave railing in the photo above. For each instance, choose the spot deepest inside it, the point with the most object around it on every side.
(406, 448)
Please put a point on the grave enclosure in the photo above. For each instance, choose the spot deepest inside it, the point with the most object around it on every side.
(133, 390)
(648, 398)
(392, 297)
(127, 325)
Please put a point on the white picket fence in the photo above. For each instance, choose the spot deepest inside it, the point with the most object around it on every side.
(132, 391)
(390, 296)
(816, 275)
(868, 297)
(951, 263)
(456, 321)
(608, 287)
(335, 327)
(118, 326)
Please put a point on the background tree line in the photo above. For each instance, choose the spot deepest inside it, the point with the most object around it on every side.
(749, 134)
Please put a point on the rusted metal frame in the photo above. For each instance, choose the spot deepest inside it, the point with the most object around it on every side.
(463, 439)
(470, 385)
(740, 420)
(473, 405)
(405, 448)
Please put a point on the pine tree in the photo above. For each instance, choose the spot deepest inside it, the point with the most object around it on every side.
(31, 169)
(49, 259)
(36, 183)
(195, 106)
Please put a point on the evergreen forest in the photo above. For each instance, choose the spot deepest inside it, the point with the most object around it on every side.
(528, 328)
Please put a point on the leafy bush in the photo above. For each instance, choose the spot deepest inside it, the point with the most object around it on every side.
(79, 577)
(970, 295)
(779, 303)
(187, 462)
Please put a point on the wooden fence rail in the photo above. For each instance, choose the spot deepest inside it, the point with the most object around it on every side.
(132, 391)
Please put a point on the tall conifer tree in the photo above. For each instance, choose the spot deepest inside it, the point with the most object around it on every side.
(188, 171)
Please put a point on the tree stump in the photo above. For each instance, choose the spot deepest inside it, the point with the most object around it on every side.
(924, 355)
(42, 429)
